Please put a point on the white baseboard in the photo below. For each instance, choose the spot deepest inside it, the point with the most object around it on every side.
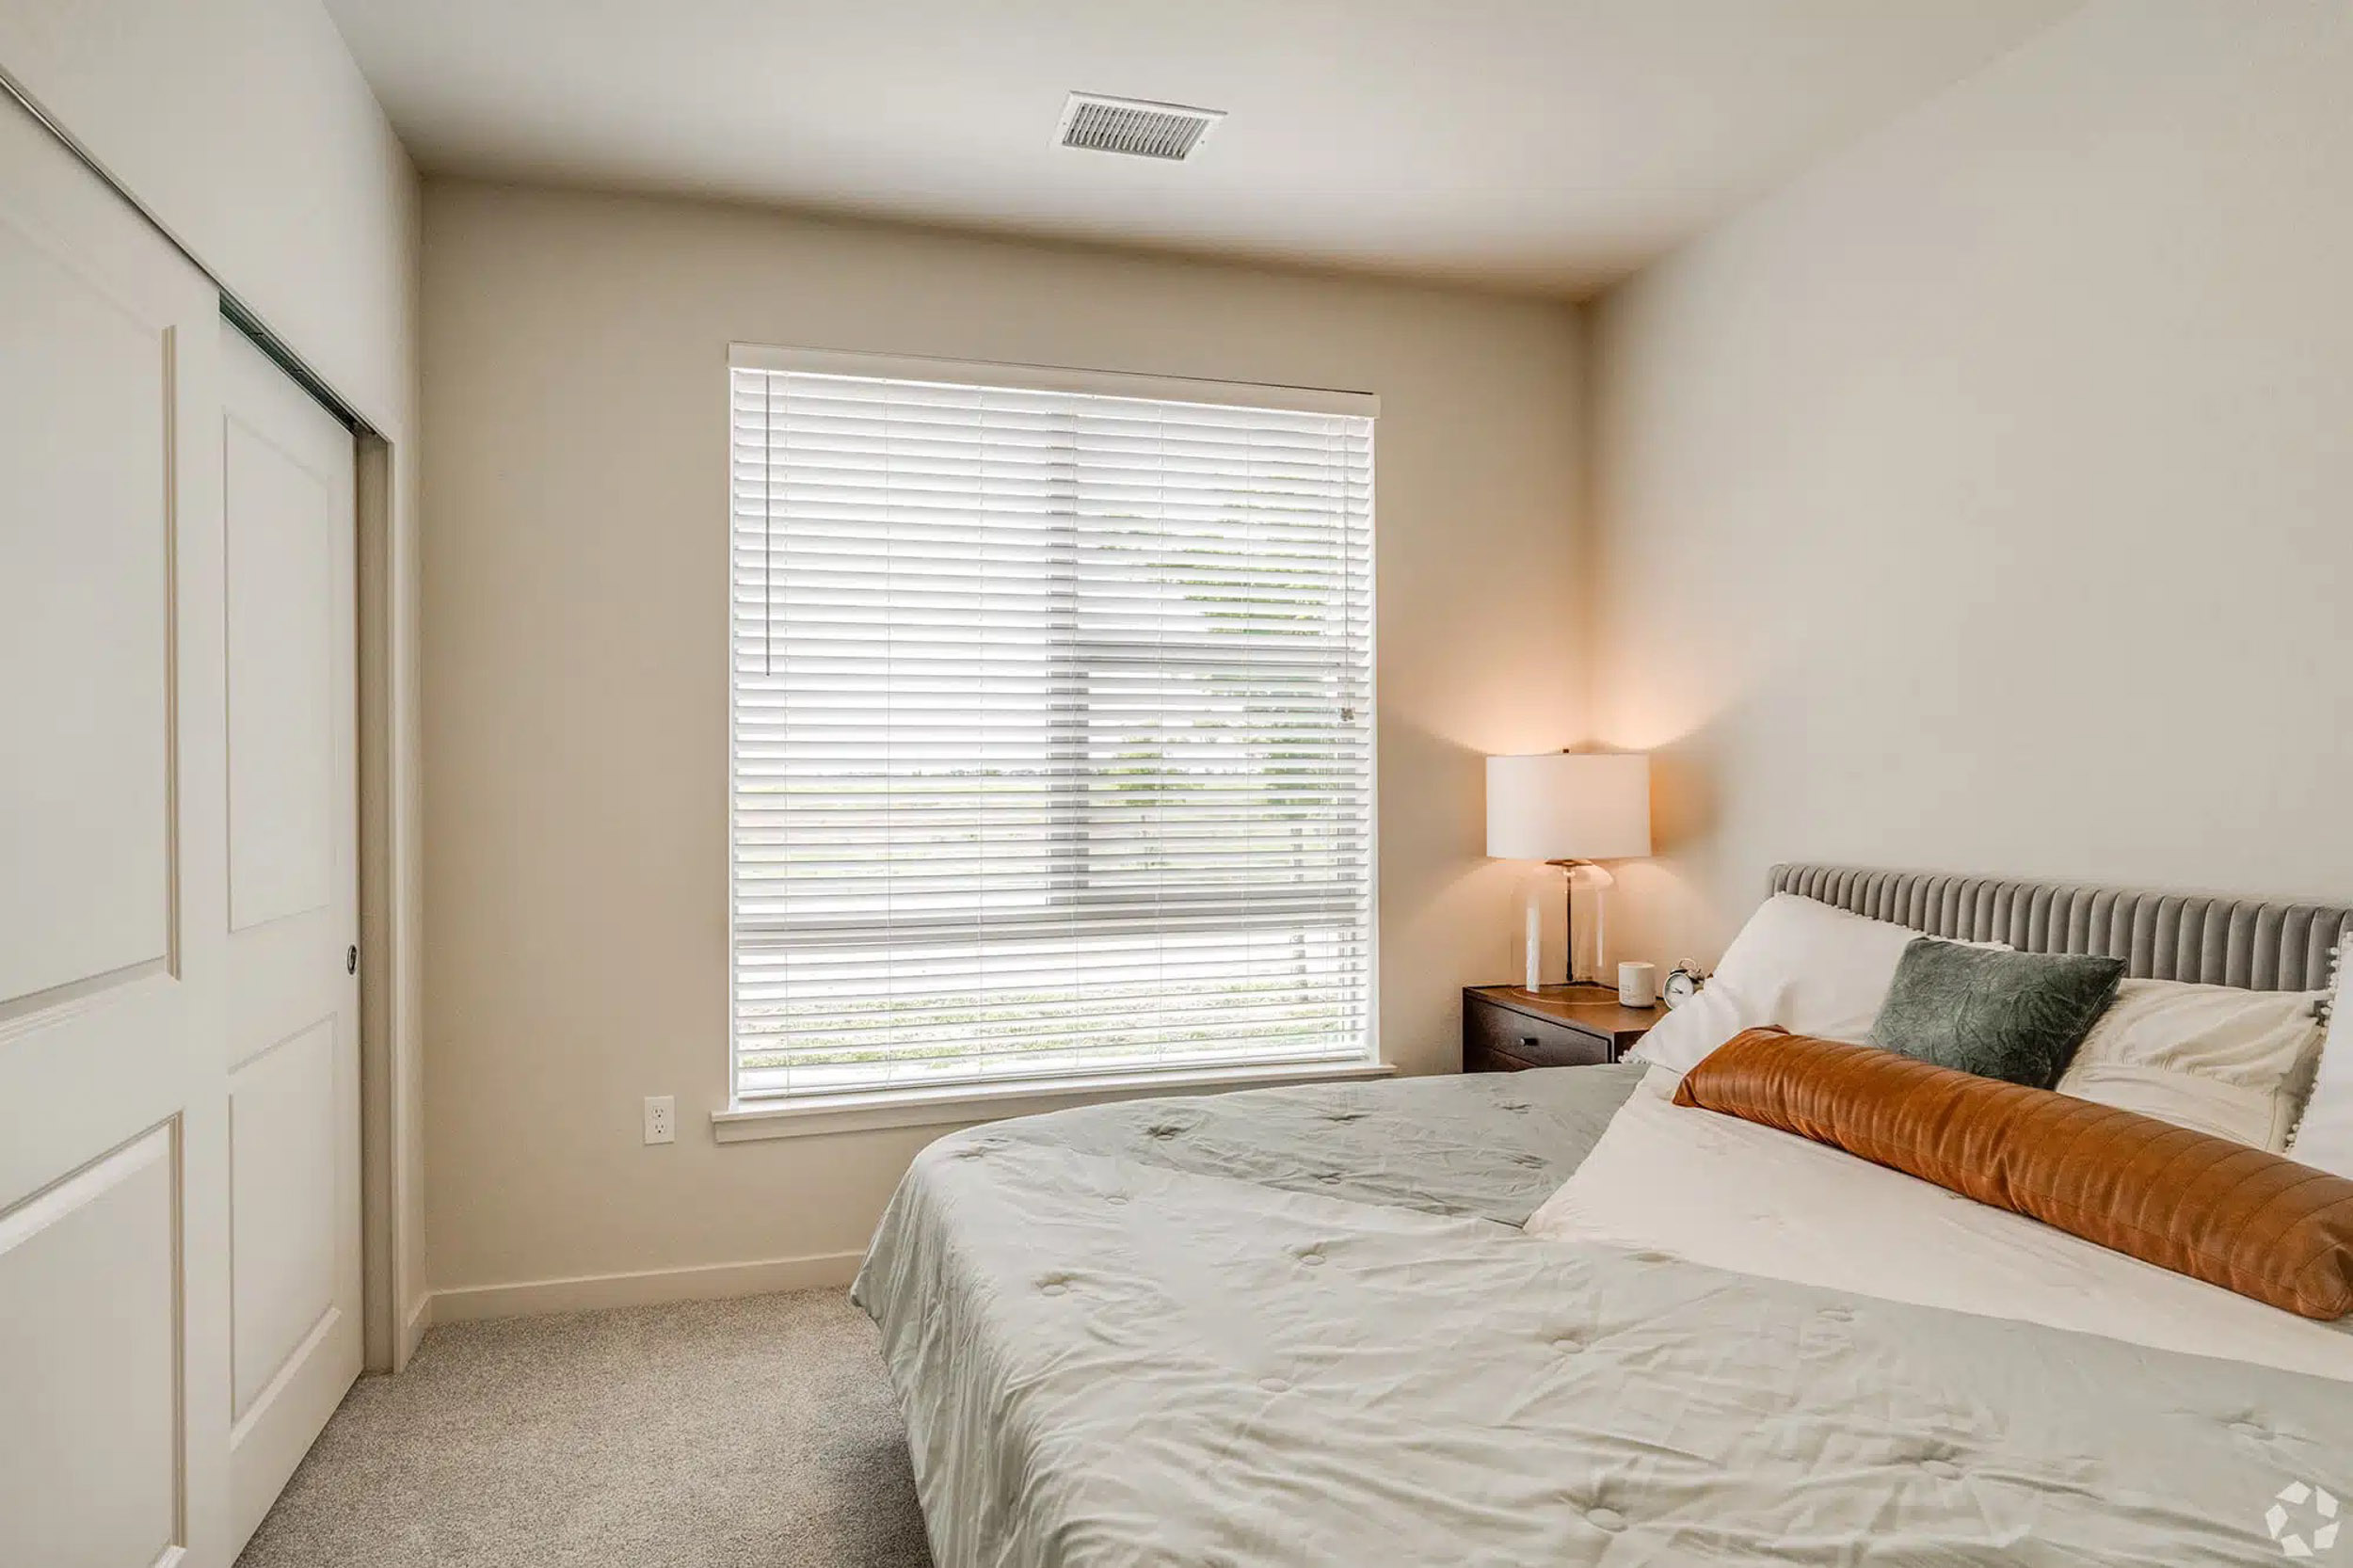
(644, 1288)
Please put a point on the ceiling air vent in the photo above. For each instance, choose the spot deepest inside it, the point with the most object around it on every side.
(1134, 126)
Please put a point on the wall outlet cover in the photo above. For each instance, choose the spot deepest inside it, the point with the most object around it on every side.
(660, 1119)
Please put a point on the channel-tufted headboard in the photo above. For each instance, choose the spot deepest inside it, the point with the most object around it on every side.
(2212, 940)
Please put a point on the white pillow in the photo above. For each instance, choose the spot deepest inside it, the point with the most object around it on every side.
(1799, 963)
(2213, 1058)
(2325, 1141)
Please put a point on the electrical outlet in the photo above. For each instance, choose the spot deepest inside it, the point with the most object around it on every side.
(660, 1119)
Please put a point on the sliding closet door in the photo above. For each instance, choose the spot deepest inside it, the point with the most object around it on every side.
(113, 1115)
(294, 1013)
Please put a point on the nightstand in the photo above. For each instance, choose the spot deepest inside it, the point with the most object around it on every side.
(1506, 1028)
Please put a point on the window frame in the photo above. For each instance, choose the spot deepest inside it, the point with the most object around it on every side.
(782, 1115)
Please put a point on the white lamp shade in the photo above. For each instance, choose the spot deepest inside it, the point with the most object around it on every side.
(1568, 806)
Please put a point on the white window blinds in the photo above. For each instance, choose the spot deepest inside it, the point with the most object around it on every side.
(1052, 732)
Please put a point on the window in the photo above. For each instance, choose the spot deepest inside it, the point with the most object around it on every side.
(1052, 725)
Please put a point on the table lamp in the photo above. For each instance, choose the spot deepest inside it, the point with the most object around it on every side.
(1569, 809)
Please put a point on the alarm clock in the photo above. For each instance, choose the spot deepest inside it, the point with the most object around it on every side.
(1682, 983)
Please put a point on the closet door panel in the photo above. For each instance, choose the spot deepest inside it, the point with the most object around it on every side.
(287, 1105)
(85, 623)
(89, 1464)
(114, 1326)
(293, 848)
(281, 669)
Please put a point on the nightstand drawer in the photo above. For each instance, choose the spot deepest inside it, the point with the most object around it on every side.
(1496, 1039)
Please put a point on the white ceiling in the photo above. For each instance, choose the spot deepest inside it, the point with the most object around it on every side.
(1549, 144)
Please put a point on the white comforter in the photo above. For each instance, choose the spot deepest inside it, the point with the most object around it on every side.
(1304, 1327)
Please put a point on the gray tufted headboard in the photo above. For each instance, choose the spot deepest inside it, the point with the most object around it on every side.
(2212, 940)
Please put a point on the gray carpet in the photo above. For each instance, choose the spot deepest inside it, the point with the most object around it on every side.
(751, 1433)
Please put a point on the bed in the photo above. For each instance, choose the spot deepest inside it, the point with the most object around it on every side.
(1304, 1326)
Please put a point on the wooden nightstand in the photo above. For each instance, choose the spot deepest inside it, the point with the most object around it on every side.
(1506, 1028)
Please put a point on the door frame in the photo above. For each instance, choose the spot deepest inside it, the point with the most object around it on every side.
(395, 1302)
(393, 1299)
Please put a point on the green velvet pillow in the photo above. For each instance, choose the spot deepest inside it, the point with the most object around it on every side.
(2017, 1017)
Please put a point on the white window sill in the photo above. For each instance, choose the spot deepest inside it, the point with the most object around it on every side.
(968, 1103)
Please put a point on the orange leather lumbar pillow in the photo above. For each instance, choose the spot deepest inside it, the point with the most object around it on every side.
(2238, 1217)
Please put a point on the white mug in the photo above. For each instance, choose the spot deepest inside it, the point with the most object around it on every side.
(1637, 985)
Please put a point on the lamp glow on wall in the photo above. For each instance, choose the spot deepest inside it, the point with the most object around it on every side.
(1568, 808)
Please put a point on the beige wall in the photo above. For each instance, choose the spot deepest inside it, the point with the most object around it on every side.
(1981, 501)
(576, 703)
(246, 128)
